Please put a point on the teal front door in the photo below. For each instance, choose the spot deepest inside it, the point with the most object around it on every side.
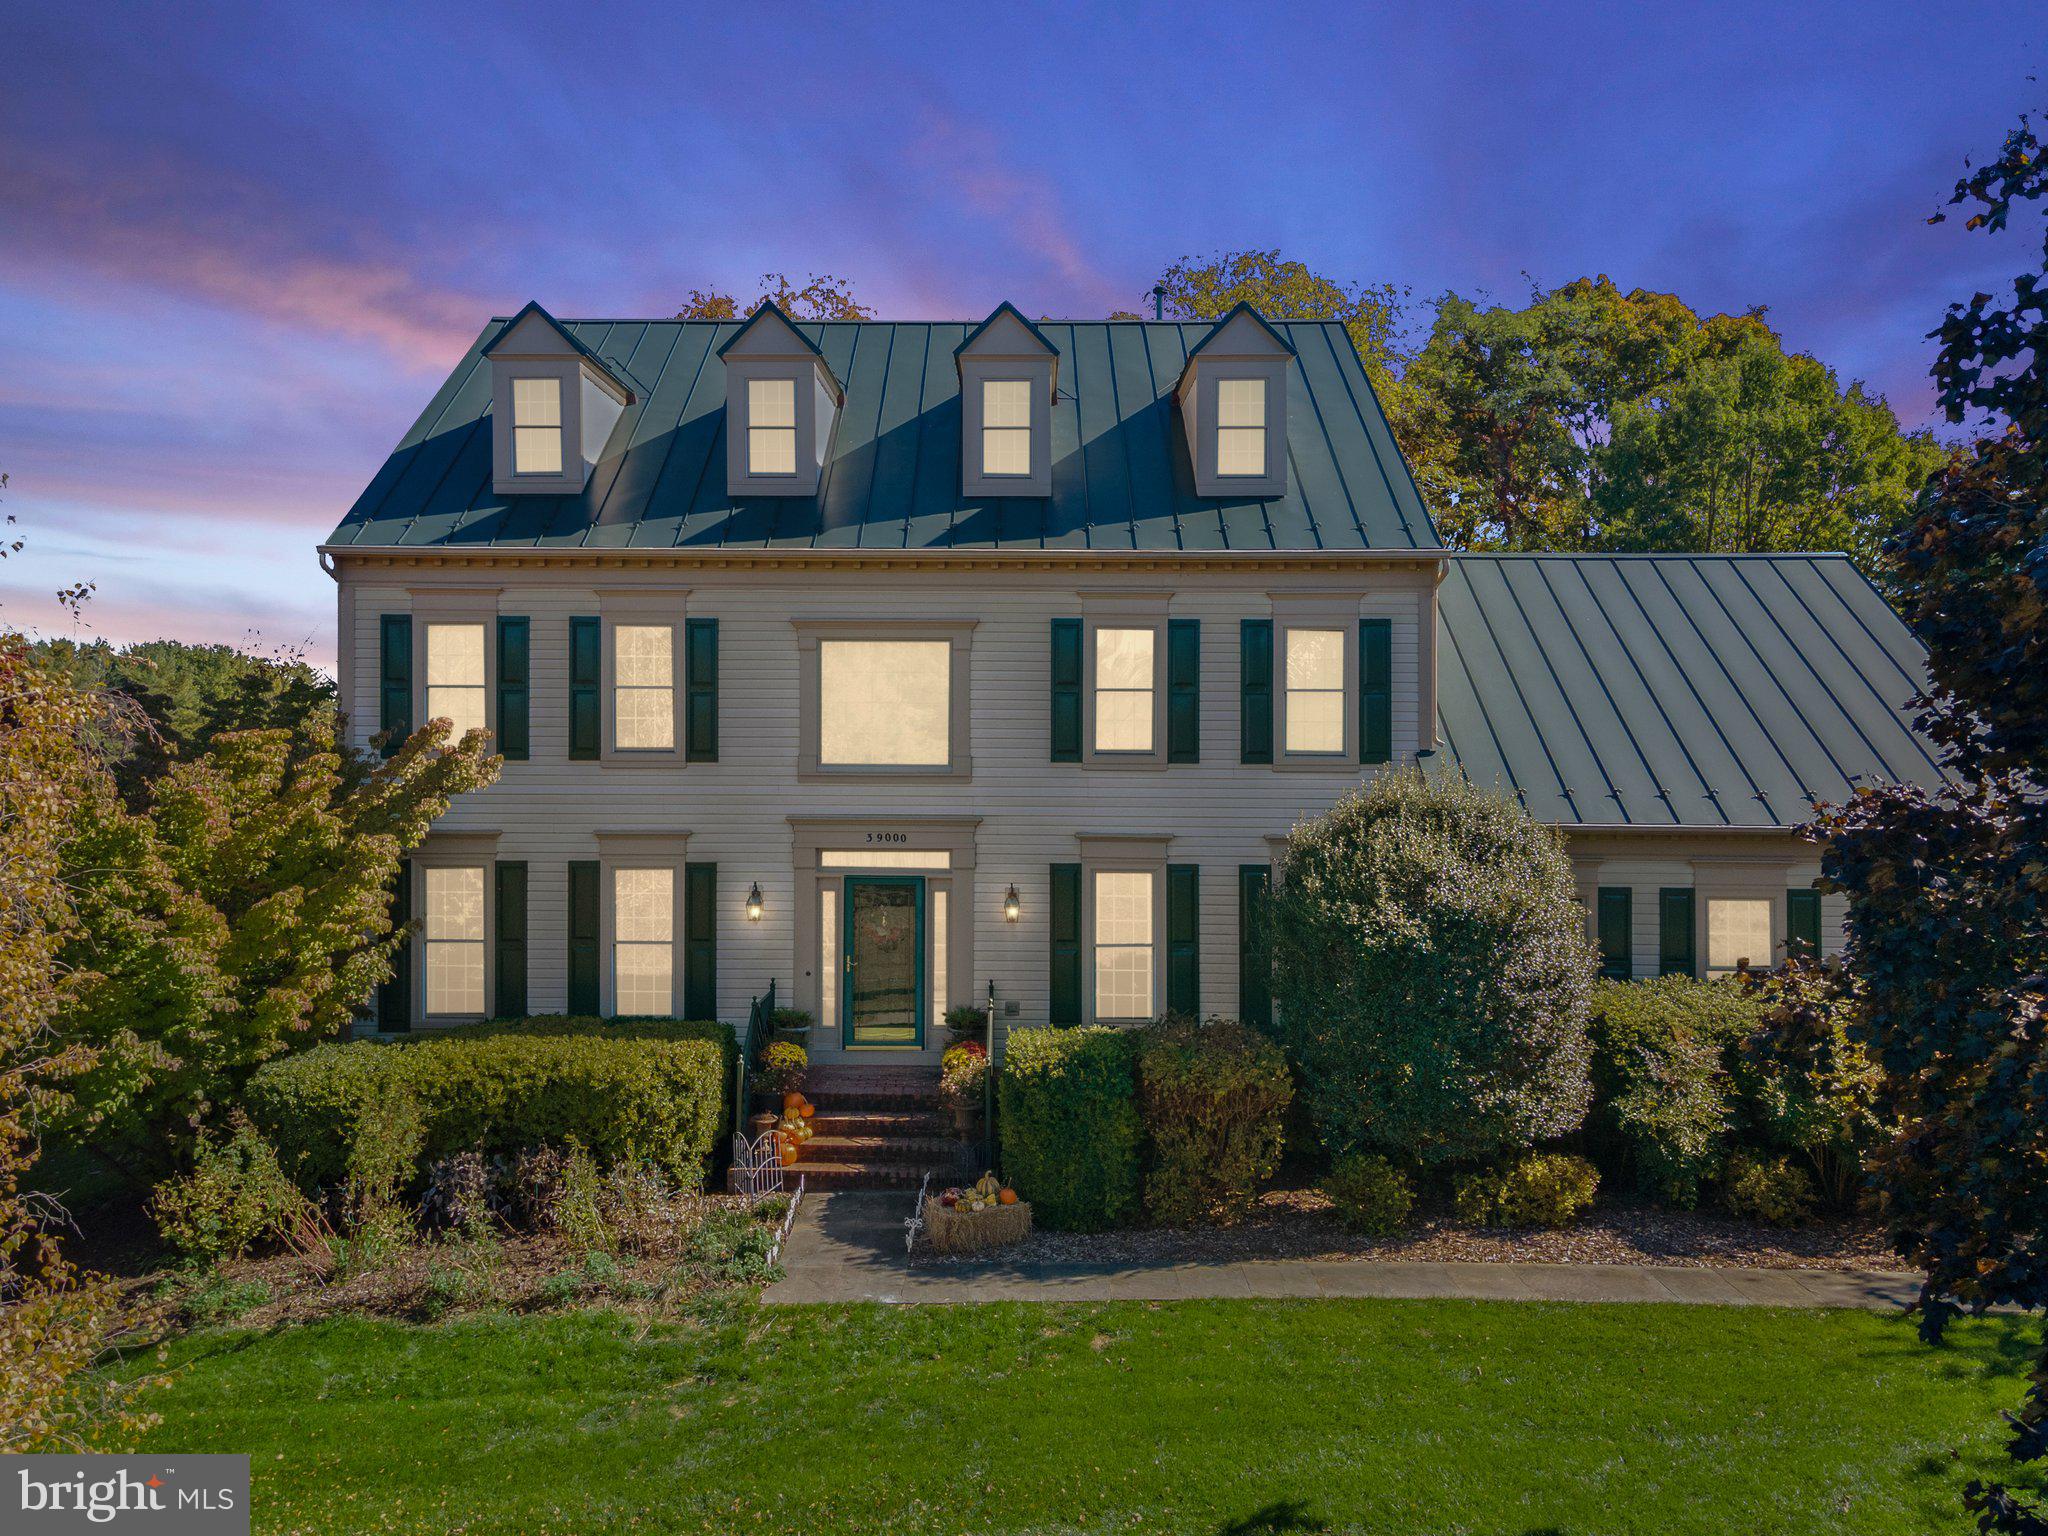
(883, 1001)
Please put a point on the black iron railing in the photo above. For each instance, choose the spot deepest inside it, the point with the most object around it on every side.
(988, 1084)
(759, 1012)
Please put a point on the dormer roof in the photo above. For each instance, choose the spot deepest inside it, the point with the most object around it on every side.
(768, 332)
(533, 332)
(1002, 337)
(1243, 332)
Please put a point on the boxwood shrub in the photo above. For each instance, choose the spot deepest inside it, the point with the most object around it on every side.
(652, 1089)
(1215, 1098)
(1068, 1110)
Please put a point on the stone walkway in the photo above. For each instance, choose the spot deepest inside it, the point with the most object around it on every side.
(848, 1246)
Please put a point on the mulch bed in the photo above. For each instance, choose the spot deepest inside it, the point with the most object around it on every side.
(1301, 1224)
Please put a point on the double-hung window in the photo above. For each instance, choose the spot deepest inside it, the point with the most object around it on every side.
(1125, 943)
(453, 937)
(1315, 687)
(771, 426)
(643, 687)
(1739, 932)
(457, 676)
(1006, 427)
(1126, 685)
(643, 940)
(537, 426)
(1241, 427)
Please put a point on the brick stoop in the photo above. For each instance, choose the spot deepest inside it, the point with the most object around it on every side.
(877, 1128)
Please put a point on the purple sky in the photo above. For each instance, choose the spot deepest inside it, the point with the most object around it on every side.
(240, 248)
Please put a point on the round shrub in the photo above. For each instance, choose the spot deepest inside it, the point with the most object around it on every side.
(1766, 1189)
(1660, 1054)
(1068, 1112)
(1371, 1195)
(1215, 1097)
(1544, 1189)
(1431, 973)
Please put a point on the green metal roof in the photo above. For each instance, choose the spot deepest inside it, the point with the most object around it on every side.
(1120, 478)
(1676, 690)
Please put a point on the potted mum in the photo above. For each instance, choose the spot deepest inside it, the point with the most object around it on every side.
(963, 1083)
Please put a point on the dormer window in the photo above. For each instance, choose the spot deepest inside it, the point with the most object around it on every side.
(771, 426)
(537, 426)
(1006, 426)
(781, 405)
(554, 403)
(1233, 404)
(1240, 426)
(1009, 374)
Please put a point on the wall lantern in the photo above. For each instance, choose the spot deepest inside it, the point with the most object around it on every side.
(754, 903)
(1012, 907)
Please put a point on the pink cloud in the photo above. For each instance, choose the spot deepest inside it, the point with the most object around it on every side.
(199, 617)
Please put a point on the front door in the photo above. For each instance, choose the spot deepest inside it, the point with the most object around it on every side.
(883, 1003)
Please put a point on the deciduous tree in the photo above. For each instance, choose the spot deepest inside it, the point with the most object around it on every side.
(822, 297)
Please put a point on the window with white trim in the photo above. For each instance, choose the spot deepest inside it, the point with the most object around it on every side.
(1124, 943)
(452, 934)
(885, 703)
(828, 958)
(1006, 426)
(1739, 930)
(771, 426)
(1315, 690)
(1241, 427)
(537, 426)
(457, 676)
(1126, 662)
(643, 687)
(643, 940)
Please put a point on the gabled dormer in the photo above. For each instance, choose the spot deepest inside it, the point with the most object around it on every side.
(1008, 375)
(554, 403)
(1233, 403)
(781, 403)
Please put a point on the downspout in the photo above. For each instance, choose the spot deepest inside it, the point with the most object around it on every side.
(1425, 732)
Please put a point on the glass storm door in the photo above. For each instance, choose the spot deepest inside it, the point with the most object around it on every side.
(884, 965)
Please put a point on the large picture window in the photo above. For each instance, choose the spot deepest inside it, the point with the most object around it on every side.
(456, 676)
(1125, 684)
(643, 941)
(1123, 944)
(643, 687)
(885, 703)
(1739, 931)
(453, 936)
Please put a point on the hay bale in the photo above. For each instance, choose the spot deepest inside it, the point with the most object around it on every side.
(955, 1229)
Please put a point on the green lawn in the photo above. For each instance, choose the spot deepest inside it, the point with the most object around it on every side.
(1505, 1418)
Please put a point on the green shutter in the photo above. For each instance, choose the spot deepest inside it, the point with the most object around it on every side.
(1065, 915)
(586, 682)
(1254, 957)
(1375, 691)
(1255, 690)
(394, 680)
(700, 941)
(1066, 690)
(700, 675)
(1184, 940)
(394, 997)
(1183, 690)
(1674, 933)
(1802, 924)
(514, 691)
(511, 970)
(583, 938)
(1615, 922)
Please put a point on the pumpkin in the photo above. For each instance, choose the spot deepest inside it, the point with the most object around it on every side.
(790, 1101)
(805, 1109)
(1008, 1196)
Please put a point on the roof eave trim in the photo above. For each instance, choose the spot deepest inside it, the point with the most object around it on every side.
(754, 555)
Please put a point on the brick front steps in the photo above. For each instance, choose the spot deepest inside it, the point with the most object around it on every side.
(877, 1128)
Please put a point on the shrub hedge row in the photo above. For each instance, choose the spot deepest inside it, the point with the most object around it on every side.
(649, 1089)
(1067, 1105)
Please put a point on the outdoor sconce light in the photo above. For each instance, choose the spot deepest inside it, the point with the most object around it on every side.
(1011, 905)
(754, 903)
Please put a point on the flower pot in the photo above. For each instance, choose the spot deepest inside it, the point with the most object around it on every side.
(963, 1120)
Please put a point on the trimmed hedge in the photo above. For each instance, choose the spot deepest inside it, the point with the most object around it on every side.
(1071, 1131)
(1660, 1068)
(1215, 1098)
(652, 1089)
